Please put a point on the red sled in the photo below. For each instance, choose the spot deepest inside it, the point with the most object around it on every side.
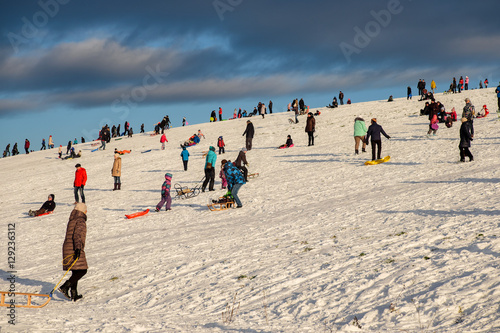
(134, 215)
(50, 212)
(285, 146)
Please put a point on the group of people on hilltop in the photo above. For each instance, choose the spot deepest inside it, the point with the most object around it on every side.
(260, 109)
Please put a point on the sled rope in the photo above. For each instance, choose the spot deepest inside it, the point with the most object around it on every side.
(63, 261)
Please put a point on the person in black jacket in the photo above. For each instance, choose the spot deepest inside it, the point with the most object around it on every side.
(249, 132)
(47, 206)
(465, 139)
(374, 131)
(240, 163)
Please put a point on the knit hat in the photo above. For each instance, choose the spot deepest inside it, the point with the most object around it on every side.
(52, 196)
(212, 148)
(168, 175)
(78, 165)
(81, 207)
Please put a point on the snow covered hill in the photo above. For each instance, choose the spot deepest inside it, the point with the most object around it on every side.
(322, 244)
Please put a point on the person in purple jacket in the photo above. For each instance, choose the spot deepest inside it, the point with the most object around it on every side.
(374, 132)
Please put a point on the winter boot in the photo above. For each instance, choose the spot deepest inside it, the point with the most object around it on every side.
(363, 150)
(116, 187)
(74, 294)
(119, 186)
(356, 151)
(65, 288)
(31, 213)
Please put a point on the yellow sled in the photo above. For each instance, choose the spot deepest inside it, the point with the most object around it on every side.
(29, 302)
(382, 160)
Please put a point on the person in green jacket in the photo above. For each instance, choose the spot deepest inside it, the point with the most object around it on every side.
(209, 169)
(359, 134)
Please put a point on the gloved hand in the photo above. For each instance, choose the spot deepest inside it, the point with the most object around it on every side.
(77, 253)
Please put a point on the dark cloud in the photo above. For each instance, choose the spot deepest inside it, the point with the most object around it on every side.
(88, 53)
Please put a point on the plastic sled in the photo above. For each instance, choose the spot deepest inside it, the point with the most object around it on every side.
(134, 215)
(118, 139)
(45, 213)
(284, 147)
(29, 302)
(93, 150)
(253, 175)
(382, 160)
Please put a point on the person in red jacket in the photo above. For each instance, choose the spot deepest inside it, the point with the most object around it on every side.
(220, 113)
(221, 145)
(79, 183)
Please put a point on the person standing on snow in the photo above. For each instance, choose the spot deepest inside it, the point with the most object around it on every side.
(497, 90)
(116, 172)
(234, 180)
(374, 131)
(310, 128)
(51, 142)
(249, 132)
(79, 183)
(27, 146)
(220, 113)
(465, 139)
(433, 86)
(210, 170)
(469, 113)
(163, 139)
(165, 194)
(341, 97)
(221, 145)
(241, 162)
(359, 134)
(185, 158)
(74, 251)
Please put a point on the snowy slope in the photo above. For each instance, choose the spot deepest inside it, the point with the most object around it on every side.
(322, 244)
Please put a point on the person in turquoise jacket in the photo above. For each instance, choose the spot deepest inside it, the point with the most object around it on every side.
(359, 134)
(185, 158)
(210, 170)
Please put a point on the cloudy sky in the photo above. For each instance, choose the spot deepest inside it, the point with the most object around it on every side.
(69, 66)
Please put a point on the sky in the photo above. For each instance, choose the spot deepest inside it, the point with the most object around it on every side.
(68, 67)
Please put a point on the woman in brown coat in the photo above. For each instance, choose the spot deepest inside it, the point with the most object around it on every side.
(116, 171)
(310, 128)
(74, 250)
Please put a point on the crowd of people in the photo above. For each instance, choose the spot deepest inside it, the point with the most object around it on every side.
(233, 175)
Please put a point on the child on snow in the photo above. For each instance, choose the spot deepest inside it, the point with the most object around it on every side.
(165, 193)
(288, 144)
(433, 126)
(163, 139)
(185, 158)
(221, 145)
(48, 206)
(222, 176)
